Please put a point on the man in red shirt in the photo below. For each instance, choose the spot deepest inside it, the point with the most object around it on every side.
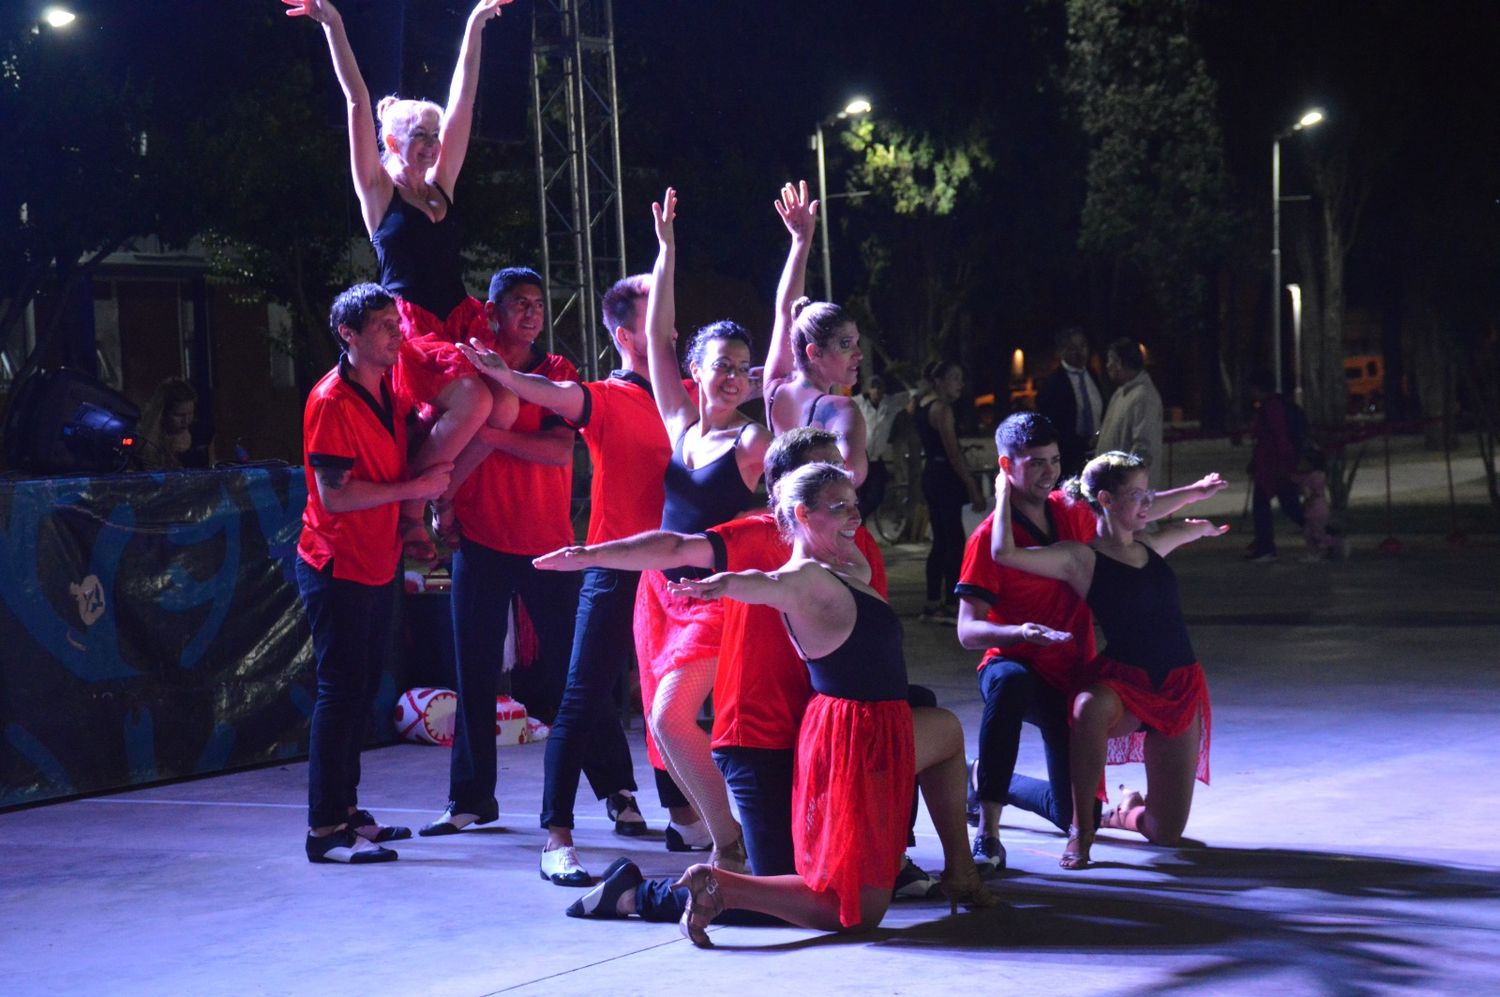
(354, 438)
(1037, 634)
(628, 450)
(512, 507)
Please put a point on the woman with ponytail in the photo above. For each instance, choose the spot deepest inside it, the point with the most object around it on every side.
(1148, 676)
(404, 179)
(814, 354)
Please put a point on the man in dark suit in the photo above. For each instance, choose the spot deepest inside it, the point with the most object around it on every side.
(1070, 398)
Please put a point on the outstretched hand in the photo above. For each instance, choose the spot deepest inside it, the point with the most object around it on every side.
(664, 213)
(1035, 633)
(485, 360)
(319, 10)
(1210, 485)
(563, 559)
(710, 588)
(1207, 529)
(798, 214)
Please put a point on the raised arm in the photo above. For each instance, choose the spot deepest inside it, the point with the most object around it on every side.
(1065, 561)
(655, 549)
(371, 182)
(678, 410)
(1170, 501)
(1174, 535)
(458, 115)
(566, 398)
(800, 216)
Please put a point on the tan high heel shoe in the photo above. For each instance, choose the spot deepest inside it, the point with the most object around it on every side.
(965, 887)
(705, 903)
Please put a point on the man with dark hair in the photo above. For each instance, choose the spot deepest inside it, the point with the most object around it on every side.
(1036, 633)
(354, 439)
(513, 506)
(1273, 464)
(1070, 398)
(1133, 418)
(629, 450)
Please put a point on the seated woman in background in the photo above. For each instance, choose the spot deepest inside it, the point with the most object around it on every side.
(166, 429)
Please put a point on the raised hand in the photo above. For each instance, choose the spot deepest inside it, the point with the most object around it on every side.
(486, 10)
(664, 213)
(563, 559)
(798, 214)
(1207, 529)
(1210, 484)
(319, 10)
(485, 360)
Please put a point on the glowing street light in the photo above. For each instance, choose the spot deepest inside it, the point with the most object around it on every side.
(854, 108)
(1310, 118)
(58, 17)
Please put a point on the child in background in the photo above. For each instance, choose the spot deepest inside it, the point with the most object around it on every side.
(1323, 541)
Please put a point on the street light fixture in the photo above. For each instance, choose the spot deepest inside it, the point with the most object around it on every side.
(856, 107)
(58, 17)
(1308, 120)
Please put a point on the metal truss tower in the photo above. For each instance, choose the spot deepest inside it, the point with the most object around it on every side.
(578, 172)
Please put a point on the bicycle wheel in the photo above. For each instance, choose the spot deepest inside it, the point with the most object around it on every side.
(889, 521)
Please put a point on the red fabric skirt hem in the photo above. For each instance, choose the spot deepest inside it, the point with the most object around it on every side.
(670, 631)
(851, 796)
(1168, 711)
(429, 359)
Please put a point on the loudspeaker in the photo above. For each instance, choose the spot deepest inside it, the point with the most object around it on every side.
(63, 421)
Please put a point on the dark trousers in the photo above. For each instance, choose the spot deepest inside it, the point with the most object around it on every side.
(354, 630)
(760, 780)
(587, 736)
(945, 495)
(484, 581)
(1013, 694)
(1260, 505)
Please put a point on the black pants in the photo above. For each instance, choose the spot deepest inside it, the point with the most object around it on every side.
(1265, 526)
(1013, 694)
(946, 496)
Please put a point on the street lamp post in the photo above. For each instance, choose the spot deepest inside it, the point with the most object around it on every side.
(854, 108)
(1307, 120)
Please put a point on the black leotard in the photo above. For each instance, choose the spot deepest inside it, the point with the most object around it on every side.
(869, 665)
(700, 497)
(1140, 612)
(812, 409)
(420, 260)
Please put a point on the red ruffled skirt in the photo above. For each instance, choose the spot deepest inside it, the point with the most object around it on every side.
(670, 631)
(1168, 710)
(429, 358)
(851, 796)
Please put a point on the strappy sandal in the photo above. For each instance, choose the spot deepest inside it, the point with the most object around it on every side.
(1075, 854)
(705, 902)
(968, 889)
(1114, 817)
(364, 824)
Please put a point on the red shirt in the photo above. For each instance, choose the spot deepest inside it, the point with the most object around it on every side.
(1017, 597)
(345, 427)
(629, 450)
(518, 506)
(762, 685)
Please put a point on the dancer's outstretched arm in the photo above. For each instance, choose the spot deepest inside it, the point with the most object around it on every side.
(458, 116)
(1174, 535)
(654, 549)
(563, 397)
(1171, 500)
(371, 182)
(800, 216)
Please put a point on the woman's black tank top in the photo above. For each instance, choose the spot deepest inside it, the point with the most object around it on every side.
(700, 497)
(419, 260)
(869, 665)
(1140, 612)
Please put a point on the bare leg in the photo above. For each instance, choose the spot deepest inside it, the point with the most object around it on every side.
(1171, 766)
(1098, 715)
(792, 900)
(685, 747)
(941, 772)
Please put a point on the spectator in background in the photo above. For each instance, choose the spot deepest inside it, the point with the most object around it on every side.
(879, 411)
(166, 429)
(1133, 419)
(1273, 465)
(1069, 397)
